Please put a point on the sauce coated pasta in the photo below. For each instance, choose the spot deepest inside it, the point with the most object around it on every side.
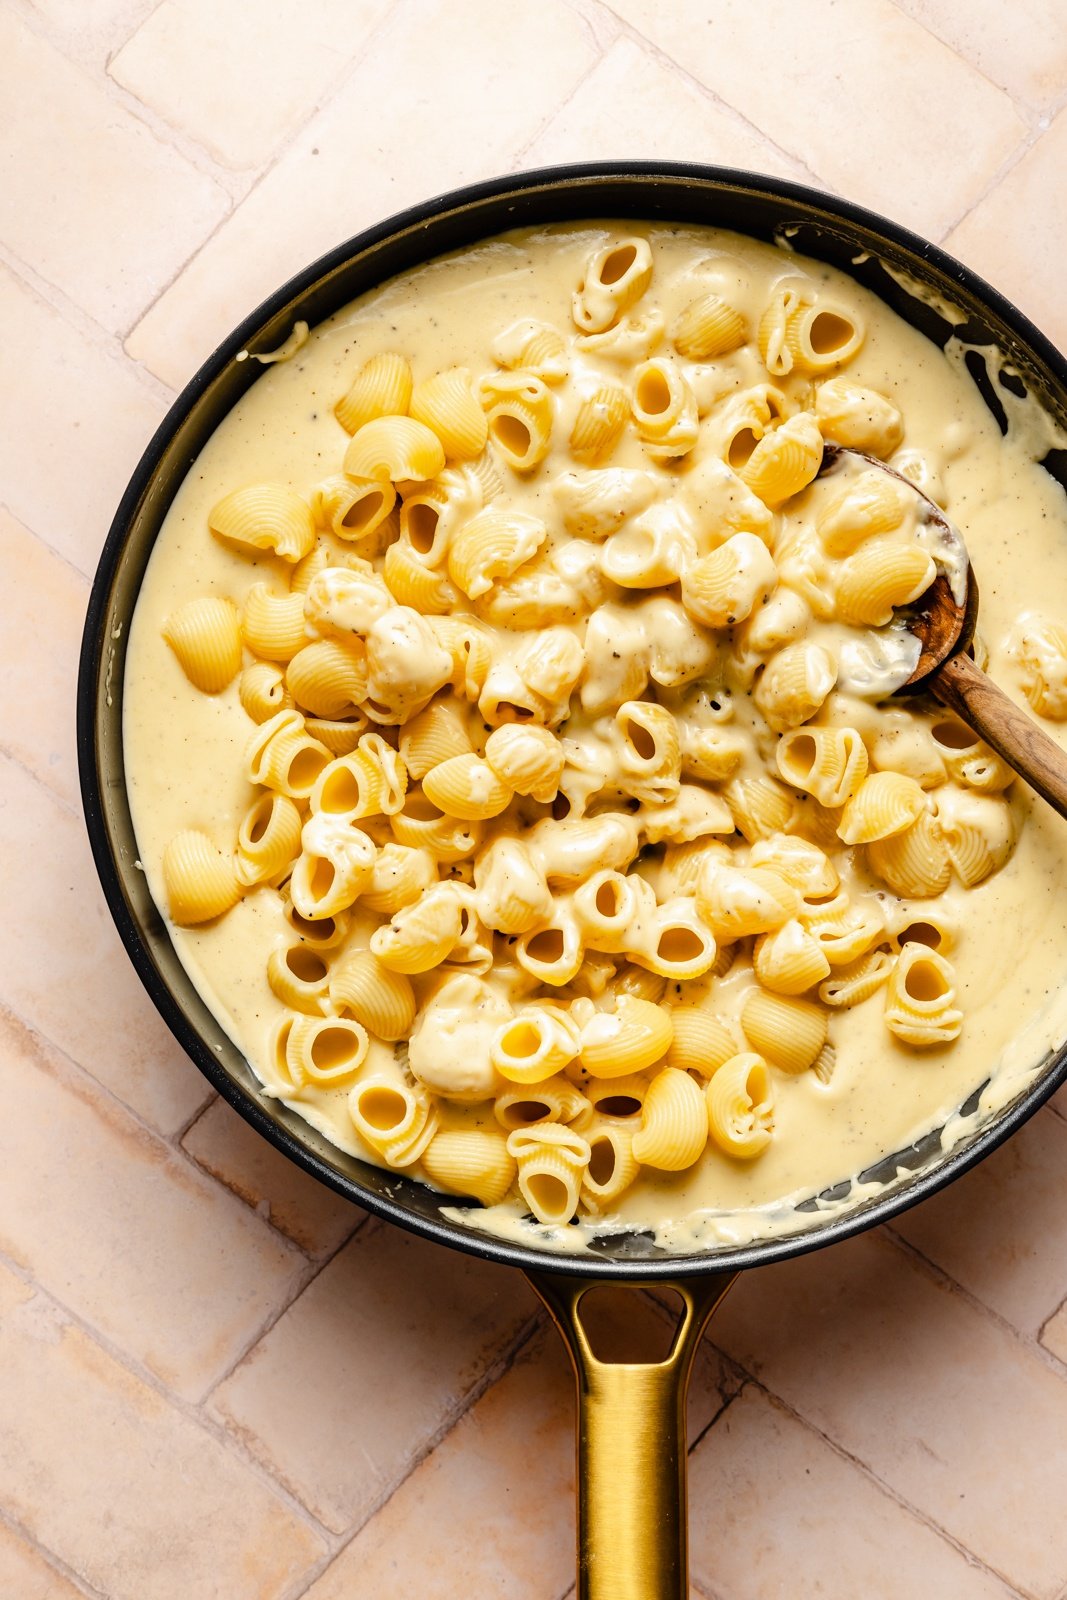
(510, 740)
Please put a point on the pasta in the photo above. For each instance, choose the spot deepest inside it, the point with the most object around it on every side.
(576, 838)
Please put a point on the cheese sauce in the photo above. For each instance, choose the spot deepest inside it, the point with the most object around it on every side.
(184, 751)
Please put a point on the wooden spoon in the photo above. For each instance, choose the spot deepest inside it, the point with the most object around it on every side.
(946, 670)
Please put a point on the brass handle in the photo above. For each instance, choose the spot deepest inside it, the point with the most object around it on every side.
(964, 687)
(632, 1509)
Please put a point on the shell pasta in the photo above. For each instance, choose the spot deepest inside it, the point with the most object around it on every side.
(546, 814)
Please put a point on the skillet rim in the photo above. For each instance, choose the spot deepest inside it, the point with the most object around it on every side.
(94, 691)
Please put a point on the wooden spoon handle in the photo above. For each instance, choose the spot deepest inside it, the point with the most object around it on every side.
(964, 687)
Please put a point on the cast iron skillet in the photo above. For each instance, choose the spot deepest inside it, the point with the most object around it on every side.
(632, 1542)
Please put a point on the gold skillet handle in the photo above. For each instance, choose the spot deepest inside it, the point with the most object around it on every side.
(632, 1507)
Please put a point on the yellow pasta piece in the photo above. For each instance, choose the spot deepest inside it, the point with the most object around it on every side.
(381, 388)
(200, 881)
(649, 750)
(708, 327)
(420, 823)
(674, 1123)
(283, 757)
(265, 516)
(858, 418)
(1041, 647)
(395, 1119)
(787, 1032)
(273, 625)
(969, 760)
(702, 1041)
(325, 934)
(268, 840)
(884, 804)
(789, 960)
(328, 677)
(740, 1106)
(422, 934)
(553, 1100)
(615, 279)
(339, 736)
(850, 986)
(802, 332)
(978, 833)
(785, 461)
(446, 403)
(722, 588)
(794, 684)
(519, 416)
(472, 1161)
(400, 874)
(552, 952)
(674, 941)
(535, 1044)
(413, 584)
(382, 1000)
(920, 996)
(205, 635)
(534, 346)
(513, 895)
(641, 983)
(494, 544)
(599, 422)
(664, 409)
(868, 503)
(829, 763)
(394, 447)
(334, 864)
(299, 977)
(881, 575)
(914, 862)
(635, 1036)
(612, 1166)
(470, 647)
(735, 901)
(353, 508)
(327, 1051)
(844, 935)
(529, 760)
(799, 862)
(466, 786)
(262, 691)
(551, 1161)
(436, 734)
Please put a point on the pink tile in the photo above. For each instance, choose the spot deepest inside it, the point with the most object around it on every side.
(835, 1533)
(431, 104)
(1001, 1231)
(490, 1512)
(851, 91)
(180, 62)
(386, 1344)
(88, 34)
(951, 1412)
(67, 974)
(26, 1575)
(1021, 47)
(122, 210)
(133, 1495)
(632, 104)
(127, 1234)
(61, 384)
(39, 666)
(277, 1190)
(1017, 239)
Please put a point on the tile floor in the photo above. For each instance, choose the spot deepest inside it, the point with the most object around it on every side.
(217, 1379)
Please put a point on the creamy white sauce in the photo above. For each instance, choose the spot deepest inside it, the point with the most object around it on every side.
(183, 749)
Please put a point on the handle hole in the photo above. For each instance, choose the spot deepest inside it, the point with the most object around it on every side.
(628, 1326)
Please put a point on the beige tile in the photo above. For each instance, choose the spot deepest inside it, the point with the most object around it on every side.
(853, 91)
(67, 974)
(1054, 1334)
(841, 1536)
(92, 200)
(125, 1233)
(313, 1216)
(386, 1342)
(1016, 237)
(132, 1495)
(88, 33)
(954, 1414)
(433, 103)
(74, 418)
(1001, 1231)
(1021, 47)
(38, 663)
(490, 1512)
(633, 105)
(181, 63)
(26, 1575)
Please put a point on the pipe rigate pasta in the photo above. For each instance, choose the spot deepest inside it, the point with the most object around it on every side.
(789, 960)
(612, 1165)
(273, 624)
(328, 678)
(722, 588)
(784, 461)
(829, 763)
(708, 327)
(513, 896)
(914, 862)
(436, 734)
(470, 1161)
(978, 832)
(920, 999)
(596, 504)
(327, 1051)
(881, 575)
(200, 881)
(382, 1000)
(759, 806)
(702, 1041)
(599, 422)
(736, 901)
(529, 760)
(534, 346)
(535, 1044)
(268, 839)
(858, 418)
(554, 1099)
(446, 403)
(397, 448)
(414, 584)
(552, 952)
(615, 279)
(740, 1106)
(335, 862)
(801, 332)
(674, 1123)
(265, 516)
(551, 1160)
(300, 977)
(1040, 647)
(419, 936)
(381, 388)
(664, 409)
(519, 416)
(674, 941)
(794, 684)
(396, 1120)
(353, 508)
(635, 1036)
(283, 757)
(420, 823)
(787, 1032)
(494, 544)
(869, 503)
(262, 692)
(884, 804)
(205, 635)
(609, 908)
(399, 875)
(466, 786)
(851, 985)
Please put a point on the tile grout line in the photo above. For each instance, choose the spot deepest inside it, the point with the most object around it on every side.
(550, 117)
(1029, 142)
(497, 1370)
(69, 806)
(192, 1411)
(83, 577)
(802, 171)
(48, 1555)
(1027, 109)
